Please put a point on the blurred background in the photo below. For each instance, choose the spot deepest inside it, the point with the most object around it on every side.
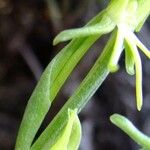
(27, 29)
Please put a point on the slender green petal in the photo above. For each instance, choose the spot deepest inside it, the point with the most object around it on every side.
(140, 24)
(78, 100)
(127, 126)
(140, 45)
(129, 61)
(117, 50)
(138, 69)
(104, 27)
(70, 137)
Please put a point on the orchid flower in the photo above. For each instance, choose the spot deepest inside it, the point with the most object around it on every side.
(125, 20)
(126, 38)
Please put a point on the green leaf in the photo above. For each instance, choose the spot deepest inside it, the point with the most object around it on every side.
(49, 85)
(127, 126)
(70, 137)
(78, 100)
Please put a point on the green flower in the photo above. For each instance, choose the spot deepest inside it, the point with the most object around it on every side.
(125, 38)
(127, 18)
(126, 23)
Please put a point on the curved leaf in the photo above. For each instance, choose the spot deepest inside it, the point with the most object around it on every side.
(78, 100)
(50, 83)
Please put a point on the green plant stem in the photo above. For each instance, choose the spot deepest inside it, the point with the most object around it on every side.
(82, 95)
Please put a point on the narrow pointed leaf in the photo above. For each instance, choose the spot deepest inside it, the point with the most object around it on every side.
(78, 100)
(50, 83)
(127, 126)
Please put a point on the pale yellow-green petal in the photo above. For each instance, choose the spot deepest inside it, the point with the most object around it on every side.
(116, 53)
(138, 69)
(129, 60)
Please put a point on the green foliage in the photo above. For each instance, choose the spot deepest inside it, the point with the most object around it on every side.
(121, 18)
(78, 100)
